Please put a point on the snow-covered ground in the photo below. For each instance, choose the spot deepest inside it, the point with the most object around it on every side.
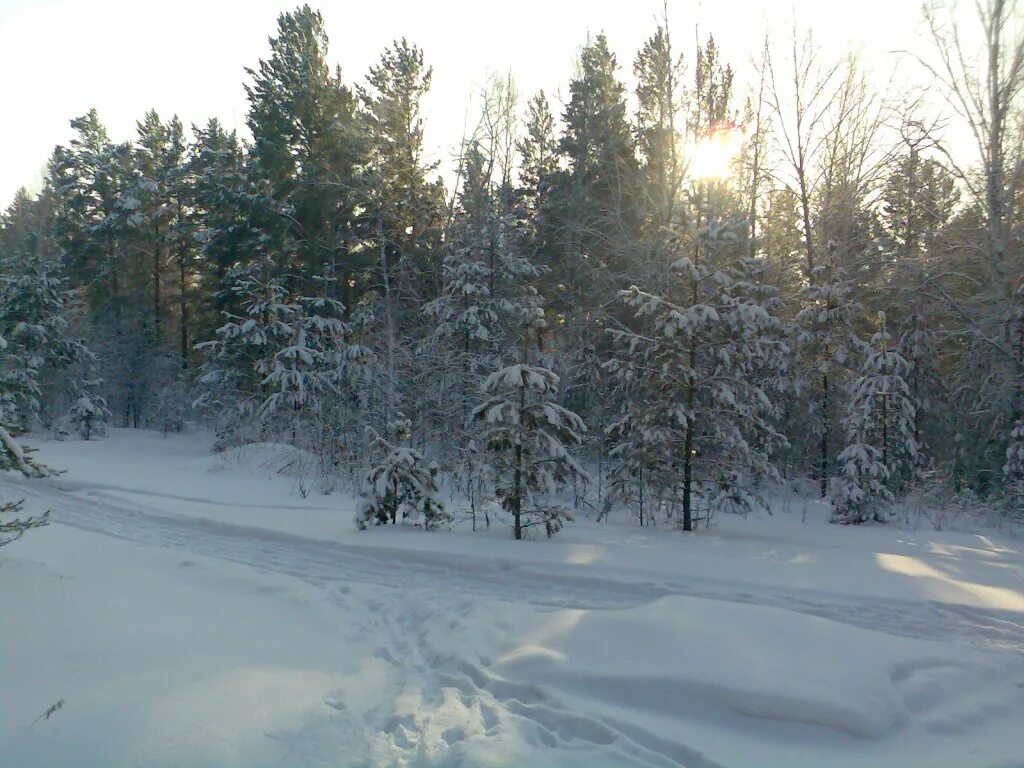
(197, 610)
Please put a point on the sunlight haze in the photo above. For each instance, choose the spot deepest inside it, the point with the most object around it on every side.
(188, 58)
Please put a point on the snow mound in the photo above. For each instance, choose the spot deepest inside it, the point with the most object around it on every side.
(680, 655)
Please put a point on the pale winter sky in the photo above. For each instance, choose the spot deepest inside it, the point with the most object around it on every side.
(58, 58)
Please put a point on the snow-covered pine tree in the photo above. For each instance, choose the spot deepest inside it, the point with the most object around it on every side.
(1013, 470)
(217, 207)
(860, 490)
(918, 346)
(825, 334)
(305, 368)
(404, 213)
(639, 455)
(89, 415)
(35, 313)
(401, 486)
(92, 180)
(18, 458)
(230, 384)
(273, 367)
(171, 402)
(920, 196)
(526, 434)
(702, 418)
(14, 457)
(151, 210)
(526, 430)
(759, 356)
(486, 274)
(880, 445)
(465, 314)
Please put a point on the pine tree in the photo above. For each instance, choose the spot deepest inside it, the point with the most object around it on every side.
(880, 443)
(36, 312)
(404, 214)
(595, 194)
(89, 416)
(277, 365)
(860, 490)
(311, 364)
(304, 157)
(660, 122)
(88, 179)
(92, 183)
(230, 383)
(402, 486)
(825, 334)
(594, 221)
(465, 315)
(918, 345)
(526, 430)
(699, 415)
(920, 197)
(14, 457)
(641, 453)
(535, 211)
(151, 206)
(219, 198)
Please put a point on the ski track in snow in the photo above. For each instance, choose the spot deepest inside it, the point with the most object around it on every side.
(484, 703)
(487, 703)
(323, 563)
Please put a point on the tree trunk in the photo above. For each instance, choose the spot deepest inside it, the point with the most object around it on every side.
(157, 279)
(824, 435)
(390, 331)
(517, 489)
(183, 311)
(688, 473)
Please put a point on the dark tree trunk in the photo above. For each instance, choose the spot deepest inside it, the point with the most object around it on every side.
(824, 436)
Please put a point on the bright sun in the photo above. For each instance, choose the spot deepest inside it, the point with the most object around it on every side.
(712, 156)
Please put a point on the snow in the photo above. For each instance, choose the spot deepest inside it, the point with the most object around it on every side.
(196, 609)
(675, 649)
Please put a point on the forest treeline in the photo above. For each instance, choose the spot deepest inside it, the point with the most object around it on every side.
(665, 298)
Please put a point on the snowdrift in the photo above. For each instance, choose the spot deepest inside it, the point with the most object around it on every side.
(681, 657)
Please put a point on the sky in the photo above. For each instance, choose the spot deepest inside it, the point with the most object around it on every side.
(59, 58)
